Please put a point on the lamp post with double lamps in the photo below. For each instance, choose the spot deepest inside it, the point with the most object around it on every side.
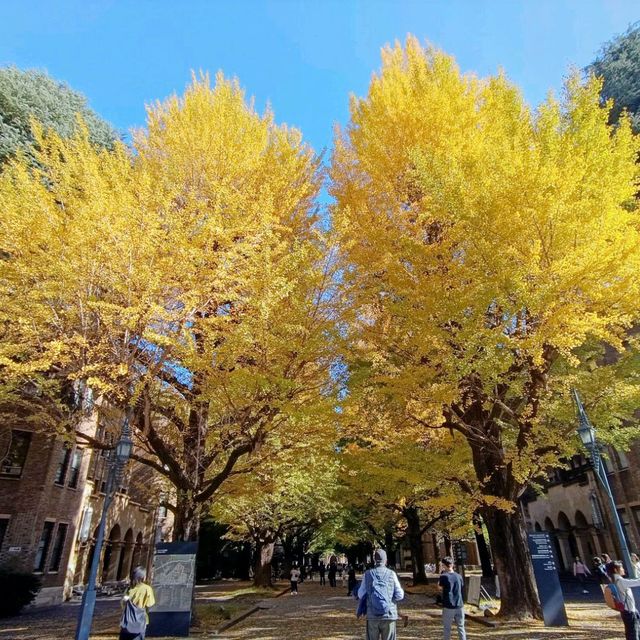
(588, 437)
(118, 458)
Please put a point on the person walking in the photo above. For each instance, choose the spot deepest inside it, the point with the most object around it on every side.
(136, 603)
(351, 580)
(600, 570)
(294, 577)
(322, 569)
(451, 586)
(630, 616)
(382, 590)
(635, 562)
(333, 570)
(581, 571)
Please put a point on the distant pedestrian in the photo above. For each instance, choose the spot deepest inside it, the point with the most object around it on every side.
(630, 616)
(382, 590)
(451, 585)
(351, 580)
(333, 570)
(600, 570)
(322, 569)
(136, 603)
(581, 571)
(635, 562)
(294, 577)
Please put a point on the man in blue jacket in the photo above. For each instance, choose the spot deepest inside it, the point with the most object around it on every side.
(451, 585)
(382, 588)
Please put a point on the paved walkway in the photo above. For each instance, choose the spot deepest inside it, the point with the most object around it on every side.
(322, 613)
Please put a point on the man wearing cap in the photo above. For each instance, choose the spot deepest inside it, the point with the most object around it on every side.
(382, 588)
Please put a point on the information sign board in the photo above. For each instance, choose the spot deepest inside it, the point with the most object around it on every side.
(174, 572)
(545, 570)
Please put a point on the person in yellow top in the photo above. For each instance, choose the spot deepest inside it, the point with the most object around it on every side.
(136, 603)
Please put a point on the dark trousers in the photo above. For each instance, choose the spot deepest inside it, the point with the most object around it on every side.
(332, 579)
(631, 626)
(294, 587)
(125, 635)
(322, 580)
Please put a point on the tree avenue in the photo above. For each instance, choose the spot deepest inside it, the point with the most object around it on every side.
(186, 283)
(491, 252)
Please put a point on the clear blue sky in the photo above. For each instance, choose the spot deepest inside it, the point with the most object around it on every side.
(303, 56)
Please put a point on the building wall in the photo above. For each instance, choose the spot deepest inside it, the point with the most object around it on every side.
(44, 497)
(30, 500)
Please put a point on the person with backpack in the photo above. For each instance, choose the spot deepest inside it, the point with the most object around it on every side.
(619, 591)
(136, 603)
(451, 585)
(381, 590)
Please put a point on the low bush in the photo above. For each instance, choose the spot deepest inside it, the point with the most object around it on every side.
(17, 590)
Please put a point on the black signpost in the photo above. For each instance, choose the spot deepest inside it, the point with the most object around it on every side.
(546, 573)
(174, 572)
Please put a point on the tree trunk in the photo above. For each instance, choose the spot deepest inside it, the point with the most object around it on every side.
(518, 594)
(414, 535)
(436, 551)
(483, 550)
(262, 566)
(187, 519)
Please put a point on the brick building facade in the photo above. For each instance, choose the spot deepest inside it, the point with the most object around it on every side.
(51, 498)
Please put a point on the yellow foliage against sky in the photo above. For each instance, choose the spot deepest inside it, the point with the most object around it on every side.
(186, 277)
(482, 235)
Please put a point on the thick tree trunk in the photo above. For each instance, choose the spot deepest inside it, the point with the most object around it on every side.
(483, 550)
(414, 536)
(186, 527)
(518, 594)
(262, 565)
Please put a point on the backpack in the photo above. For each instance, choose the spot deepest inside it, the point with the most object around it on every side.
(134, 619)
(612, 598)
(378, 592)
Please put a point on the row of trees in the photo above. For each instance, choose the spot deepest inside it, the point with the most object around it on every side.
(409, 362)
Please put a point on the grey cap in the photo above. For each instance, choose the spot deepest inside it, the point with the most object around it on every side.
(380, 556)
(139, 573)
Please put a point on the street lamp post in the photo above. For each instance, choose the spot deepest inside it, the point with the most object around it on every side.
(118, 458)
(588, 437)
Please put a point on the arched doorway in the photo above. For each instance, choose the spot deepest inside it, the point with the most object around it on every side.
(126, 556)
(137, 550)
(537, 527)
(567, 540)
(582, 532)
(111, 555)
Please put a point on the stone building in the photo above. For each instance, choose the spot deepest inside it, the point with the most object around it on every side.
(51, 497)
(575, 509)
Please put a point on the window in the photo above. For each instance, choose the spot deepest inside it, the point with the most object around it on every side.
(626, 525)
(621, 459)
(58, 547)
(74, 472)
(43, 547)
(13, 463)
(63, 464)
(4, 525)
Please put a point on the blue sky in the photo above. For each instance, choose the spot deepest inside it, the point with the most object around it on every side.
(304, 57)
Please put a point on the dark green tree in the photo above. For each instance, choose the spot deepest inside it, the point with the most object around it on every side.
(32, 94)
(618, 64)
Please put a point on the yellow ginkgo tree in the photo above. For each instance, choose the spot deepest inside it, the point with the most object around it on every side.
(185, 281)
(491, 253)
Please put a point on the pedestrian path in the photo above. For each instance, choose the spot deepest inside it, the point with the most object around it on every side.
(323, 613)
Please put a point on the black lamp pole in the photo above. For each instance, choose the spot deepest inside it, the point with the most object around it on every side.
(118, 458)
(588, 437)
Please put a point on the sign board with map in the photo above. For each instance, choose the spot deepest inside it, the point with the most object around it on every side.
(174, 573)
